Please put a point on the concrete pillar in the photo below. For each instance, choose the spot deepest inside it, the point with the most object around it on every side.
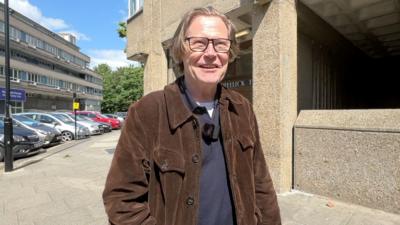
(275, 84)
(155, 71)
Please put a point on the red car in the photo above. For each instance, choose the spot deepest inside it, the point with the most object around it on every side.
(97, 117)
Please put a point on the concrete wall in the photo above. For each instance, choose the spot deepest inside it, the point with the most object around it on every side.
(350, 155)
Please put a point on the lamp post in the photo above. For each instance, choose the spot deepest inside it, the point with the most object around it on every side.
(8, 132)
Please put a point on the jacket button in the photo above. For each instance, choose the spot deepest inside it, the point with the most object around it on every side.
(190, 201)
(164, 165)
(195, 158)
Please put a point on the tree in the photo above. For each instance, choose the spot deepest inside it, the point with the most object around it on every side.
(121, 29)
(120, 87)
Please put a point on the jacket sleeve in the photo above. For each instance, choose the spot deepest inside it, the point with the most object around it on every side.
(126, 188)
(266, 200)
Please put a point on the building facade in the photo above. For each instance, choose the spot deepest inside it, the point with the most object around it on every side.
(47, 68)
(300, 56)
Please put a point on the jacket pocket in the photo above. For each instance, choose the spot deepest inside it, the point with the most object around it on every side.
(170, 173)
(245, 142)
(169, 160)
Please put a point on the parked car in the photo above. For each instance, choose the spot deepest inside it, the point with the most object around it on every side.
(25, 142)
(105, 126)
(65, 126)
(50, 136)
(121, 114)
(91, 125)
(96, 116)
(120, 118)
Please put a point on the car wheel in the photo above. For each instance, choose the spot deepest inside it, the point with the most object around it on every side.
(67, 136)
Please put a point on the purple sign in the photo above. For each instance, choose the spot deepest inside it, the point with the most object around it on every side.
(15, 94)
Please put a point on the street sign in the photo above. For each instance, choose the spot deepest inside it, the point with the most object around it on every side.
(76, 105)
(15, 94)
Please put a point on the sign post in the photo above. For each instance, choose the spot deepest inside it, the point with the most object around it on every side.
(75, 106)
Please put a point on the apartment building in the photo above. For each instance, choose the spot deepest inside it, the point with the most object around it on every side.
(322, 76)
(46, 68)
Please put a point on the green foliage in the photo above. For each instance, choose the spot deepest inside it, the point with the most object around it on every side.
(120, 87)
(121, 29)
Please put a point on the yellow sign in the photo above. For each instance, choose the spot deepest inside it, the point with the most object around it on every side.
(76, 105)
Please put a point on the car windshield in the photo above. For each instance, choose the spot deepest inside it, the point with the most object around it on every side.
(102, 116)
(26, 120)
(85, 118)
(79, 117)
(63, 118)
(70, 116)
(1, 124)
(82, 118)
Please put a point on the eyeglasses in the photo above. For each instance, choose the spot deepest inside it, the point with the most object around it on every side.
(200, 44)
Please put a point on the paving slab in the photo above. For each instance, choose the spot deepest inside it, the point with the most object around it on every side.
(15, 193)
(65, 192)
(298, 208)
(42, 211)
(79, 216)
(75, 201)
(9, 219)
(16, 204)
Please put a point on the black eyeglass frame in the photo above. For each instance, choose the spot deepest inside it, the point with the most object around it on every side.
(208, 43)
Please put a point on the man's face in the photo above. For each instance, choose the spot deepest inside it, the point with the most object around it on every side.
(206, 68)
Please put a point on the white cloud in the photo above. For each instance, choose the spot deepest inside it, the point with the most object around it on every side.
(27, 9)
(34, 13)
(79, 36)
(113, 57)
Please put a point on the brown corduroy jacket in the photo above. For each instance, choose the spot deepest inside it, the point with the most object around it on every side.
(154, 175)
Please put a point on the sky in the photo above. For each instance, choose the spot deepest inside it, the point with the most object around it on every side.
(93, 22)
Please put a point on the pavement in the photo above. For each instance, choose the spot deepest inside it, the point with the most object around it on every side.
(63, 186)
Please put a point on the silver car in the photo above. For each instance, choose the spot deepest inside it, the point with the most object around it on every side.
(120, 118)
(91, 125)
(65, 126)
(49, 135)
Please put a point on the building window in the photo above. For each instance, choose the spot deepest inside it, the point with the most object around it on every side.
(50, 48)
(135, 6)
(2, 26)
(43, 79)
(66, 56)
(16, 107)
(14, 74)
(15, 34)
(23, 75)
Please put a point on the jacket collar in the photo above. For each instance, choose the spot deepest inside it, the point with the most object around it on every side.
(178, 113)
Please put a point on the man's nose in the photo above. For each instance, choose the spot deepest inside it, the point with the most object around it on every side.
(210, 49)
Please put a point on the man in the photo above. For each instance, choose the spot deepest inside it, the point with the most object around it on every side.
(191, 154)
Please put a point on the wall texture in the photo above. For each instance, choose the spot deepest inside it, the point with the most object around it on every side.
(350, 155)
